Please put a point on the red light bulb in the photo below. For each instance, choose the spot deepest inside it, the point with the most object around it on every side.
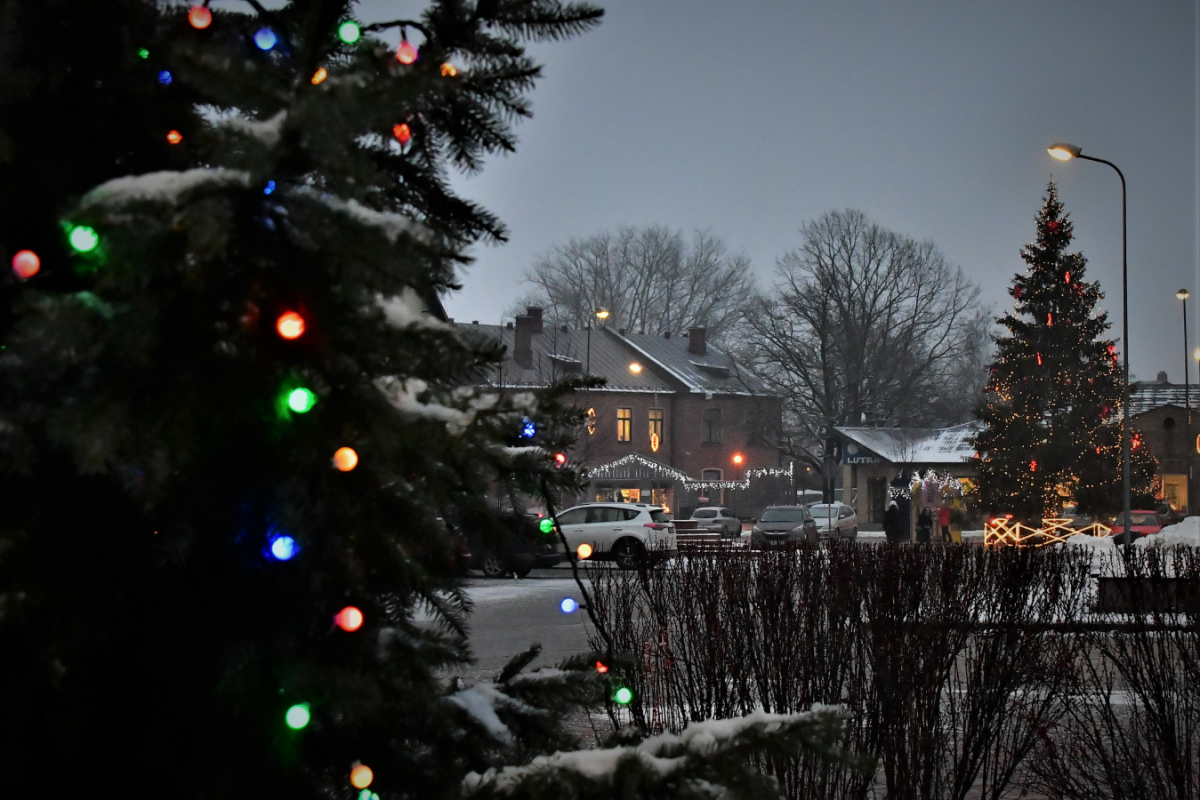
(290, 325)
(174, 137)
(402, 132)
(200, 17)
(26, 264)
(407, 54)
(349, 619)
(601, 667)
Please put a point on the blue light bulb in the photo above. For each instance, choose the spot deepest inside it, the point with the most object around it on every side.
(528, 430)
(568, 605)
(283, 547)
(265, 39)
(270, 187)
(164, 77)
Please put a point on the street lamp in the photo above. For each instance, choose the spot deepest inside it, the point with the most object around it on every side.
(737, 463)
(601, 314)
(1183, 295)
(1065, 152)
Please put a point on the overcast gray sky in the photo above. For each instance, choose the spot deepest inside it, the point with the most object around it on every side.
(932, 117)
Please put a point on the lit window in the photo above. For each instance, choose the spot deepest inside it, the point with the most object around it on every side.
(624, 424)
(712, 426)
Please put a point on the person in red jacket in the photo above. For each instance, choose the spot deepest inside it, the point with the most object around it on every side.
(943, 518)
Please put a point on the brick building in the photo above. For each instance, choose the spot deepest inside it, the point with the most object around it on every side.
(668, 423)
(1160, 414)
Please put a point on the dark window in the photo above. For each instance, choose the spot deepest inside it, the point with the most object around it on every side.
(603, 514)
(704, 513)
(712, 426)
(710, 475)
(659, 516)
(656, 423)
(629, 513)
(573, 517)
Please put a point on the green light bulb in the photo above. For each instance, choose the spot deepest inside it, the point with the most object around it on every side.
(297, 716)
(301, 400)
(624, 695)
(84, 239)
(143, 53)
(349, 32)
(546, 525)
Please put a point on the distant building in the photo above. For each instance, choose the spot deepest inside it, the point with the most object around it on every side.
(873, 457)
(666, 431)
(1159, 410)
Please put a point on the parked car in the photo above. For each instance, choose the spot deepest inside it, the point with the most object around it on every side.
(835, 520)
(629, 534)
(717, 519)
(516, 553)
(1142, 523)
(1168, 515)
(780, 525)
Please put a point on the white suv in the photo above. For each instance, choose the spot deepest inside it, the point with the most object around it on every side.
(621, 532)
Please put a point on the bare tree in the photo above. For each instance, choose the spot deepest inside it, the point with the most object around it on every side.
(649, 278)
(864, 327)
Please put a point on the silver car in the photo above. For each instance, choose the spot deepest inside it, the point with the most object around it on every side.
(717, 519)
(835, 521)
(780, 525)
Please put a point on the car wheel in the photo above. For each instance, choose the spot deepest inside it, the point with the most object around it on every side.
(629, 554)
(494, 566)
(521, 572)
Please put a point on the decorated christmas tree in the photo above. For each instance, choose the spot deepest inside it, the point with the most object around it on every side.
(238, 444)
(1052, 407)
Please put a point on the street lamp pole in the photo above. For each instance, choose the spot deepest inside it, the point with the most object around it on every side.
(1064, 152)
(1183, 295)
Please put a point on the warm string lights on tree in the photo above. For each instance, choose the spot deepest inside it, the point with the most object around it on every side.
(174, 137)
(1048, 439)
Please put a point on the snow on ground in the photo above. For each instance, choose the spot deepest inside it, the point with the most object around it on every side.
(1185, 532)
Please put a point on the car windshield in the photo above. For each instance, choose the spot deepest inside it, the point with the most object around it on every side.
(783, 515)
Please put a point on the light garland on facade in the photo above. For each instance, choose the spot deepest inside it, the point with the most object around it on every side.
(606, 471)
(1054, 530)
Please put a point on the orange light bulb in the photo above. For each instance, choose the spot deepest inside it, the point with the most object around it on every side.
(361, 776)
(406, 53)
(345, 459)
(26, 264)
(320, 75)
(584, 550)
(449, 70)
(174, 137)
(349, 619)
(200, 17)
(290, 325)
(402, 132)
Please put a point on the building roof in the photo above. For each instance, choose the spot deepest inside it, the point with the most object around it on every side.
(1148, 395)
(667, 366)
(917, 445)
(714, 372)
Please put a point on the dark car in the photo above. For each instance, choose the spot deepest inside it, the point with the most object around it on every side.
(780, 525)
(516, 552)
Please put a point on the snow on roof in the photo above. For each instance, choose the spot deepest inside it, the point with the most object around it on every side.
(1147, 396)
(917, 445)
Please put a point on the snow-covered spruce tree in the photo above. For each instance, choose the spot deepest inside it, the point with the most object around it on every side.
(1053, 400)
(235, 452)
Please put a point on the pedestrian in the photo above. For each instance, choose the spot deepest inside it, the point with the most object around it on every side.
(943, 518)
(893, 526)
(924, 525)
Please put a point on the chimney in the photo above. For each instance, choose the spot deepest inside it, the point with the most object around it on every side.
(535, 316)
(696, 341)
(523, 341)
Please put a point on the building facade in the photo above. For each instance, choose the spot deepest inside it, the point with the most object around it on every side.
(1161, 416)
(676, 422)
